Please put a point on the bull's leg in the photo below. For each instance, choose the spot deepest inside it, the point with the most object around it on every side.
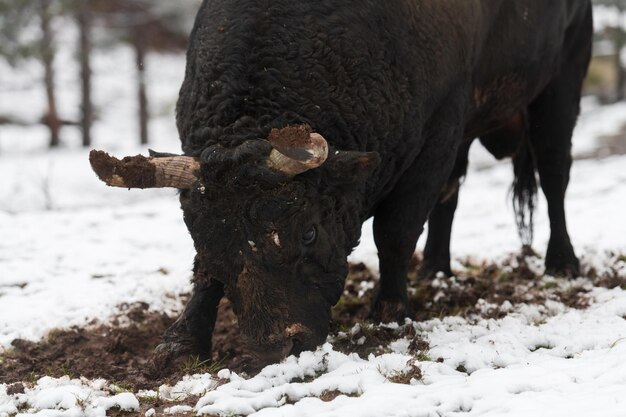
(501, 143)
(400, 218)
(191, 332)
(437, 249)
(552, 119)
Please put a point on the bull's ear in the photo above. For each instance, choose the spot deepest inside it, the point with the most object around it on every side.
(350, 167)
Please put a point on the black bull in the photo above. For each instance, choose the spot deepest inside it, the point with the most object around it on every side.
(398, 89)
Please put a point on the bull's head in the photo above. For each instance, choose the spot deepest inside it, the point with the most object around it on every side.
(272, 220)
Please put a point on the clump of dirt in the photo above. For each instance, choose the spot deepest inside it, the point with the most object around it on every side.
(365, 338)
(16, 388)
(489, 290)
(290, 136)
(513, 281)
(113, 351)
(329, 395)
(119, 351)
(159, 406)
(413, 372)
(479, 289)
(131, 172)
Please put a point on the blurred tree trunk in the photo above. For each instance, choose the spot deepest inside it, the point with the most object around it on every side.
(51, 119)
(619, 68)
(620, 43)
(84, 23)
(140, 45)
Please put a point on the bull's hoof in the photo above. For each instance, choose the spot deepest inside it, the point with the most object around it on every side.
(391, 311)
(567, 269)
(166, 359)
(428, 271)
(562, 262)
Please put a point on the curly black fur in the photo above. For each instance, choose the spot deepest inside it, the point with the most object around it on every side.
(394, 87)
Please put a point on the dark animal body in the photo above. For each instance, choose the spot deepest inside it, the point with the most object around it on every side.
(398, 89)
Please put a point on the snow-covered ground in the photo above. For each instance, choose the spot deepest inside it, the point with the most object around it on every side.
(72, 250)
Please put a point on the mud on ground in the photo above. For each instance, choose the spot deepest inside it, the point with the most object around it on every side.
(119, 350)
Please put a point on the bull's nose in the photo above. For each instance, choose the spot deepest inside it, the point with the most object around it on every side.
(287, 348)
(296, 334)
(297, 330)
(297, 347)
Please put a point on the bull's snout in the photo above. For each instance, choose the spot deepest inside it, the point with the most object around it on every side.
(294, 339)
(298, 338)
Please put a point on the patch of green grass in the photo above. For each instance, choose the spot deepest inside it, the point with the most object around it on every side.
(550, 285)
(342, 327)
(32, 378)
(423, 357)
(66, 371)
(49, 371)
(195, 365)
(505, 277)
(120, 387)
(150, 399)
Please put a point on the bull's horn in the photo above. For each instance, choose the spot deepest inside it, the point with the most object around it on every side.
(141, 172)
(296, 149)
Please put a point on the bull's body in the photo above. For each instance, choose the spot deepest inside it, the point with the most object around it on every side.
(373, 75)
(411, 80)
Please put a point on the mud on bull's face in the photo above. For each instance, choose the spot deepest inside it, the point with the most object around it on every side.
(279, 250)
(272, 221)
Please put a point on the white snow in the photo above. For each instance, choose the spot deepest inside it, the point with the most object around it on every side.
(66, 397)
(72, 250)
(125, 401)
(536, 361)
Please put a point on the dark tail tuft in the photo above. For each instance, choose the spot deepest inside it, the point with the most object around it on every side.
(524, 190)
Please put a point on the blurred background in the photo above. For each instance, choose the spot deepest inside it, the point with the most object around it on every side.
(67, 67)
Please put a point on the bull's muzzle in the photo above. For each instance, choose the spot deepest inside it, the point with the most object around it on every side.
(295, 338)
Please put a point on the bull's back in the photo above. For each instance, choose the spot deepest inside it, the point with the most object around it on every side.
(366, 73)
(525, 48)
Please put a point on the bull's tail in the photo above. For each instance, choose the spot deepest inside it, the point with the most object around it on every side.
(524, 189)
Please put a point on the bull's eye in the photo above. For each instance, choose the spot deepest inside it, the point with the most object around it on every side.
(309, 236)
